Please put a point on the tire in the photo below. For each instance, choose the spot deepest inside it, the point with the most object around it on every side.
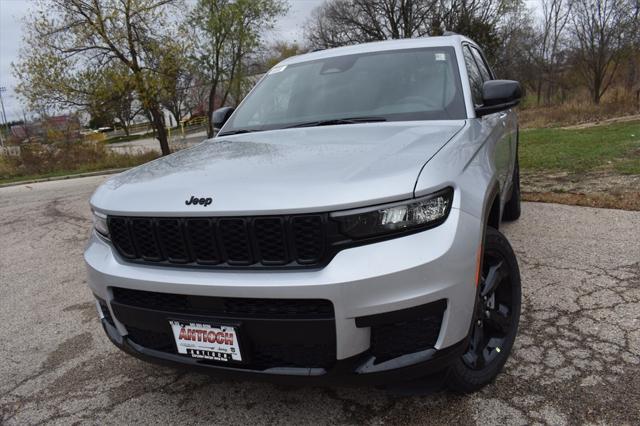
(512, 208)
(495, 320)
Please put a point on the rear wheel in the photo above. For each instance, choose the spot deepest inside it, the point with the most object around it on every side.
(495, 320)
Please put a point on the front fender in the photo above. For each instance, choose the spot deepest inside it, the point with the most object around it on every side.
(467, 164)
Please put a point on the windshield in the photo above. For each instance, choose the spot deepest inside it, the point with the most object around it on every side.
(399, 85)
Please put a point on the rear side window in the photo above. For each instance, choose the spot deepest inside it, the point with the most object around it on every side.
(475, 76)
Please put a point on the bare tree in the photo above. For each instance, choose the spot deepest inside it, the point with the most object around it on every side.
(600, 28)
(478, 19)
(342, 22)
(550, 43)
(454, 14)
(517, 35)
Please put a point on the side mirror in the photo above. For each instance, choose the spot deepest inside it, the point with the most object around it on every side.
(498, 95)
(220, 116)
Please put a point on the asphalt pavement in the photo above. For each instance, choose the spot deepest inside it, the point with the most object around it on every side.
(576, 359)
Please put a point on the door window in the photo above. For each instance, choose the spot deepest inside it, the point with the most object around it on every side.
(475, 77)
(484, 68)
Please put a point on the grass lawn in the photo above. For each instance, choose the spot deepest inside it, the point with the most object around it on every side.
(597, 166)
(614, 146)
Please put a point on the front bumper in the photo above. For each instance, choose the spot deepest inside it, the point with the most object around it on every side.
(346, 371)
(366, 281)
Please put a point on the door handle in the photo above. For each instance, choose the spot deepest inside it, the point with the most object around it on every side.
(503, 118)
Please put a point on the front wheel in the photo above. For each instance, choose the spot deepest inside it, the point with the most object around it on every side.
(495, 319)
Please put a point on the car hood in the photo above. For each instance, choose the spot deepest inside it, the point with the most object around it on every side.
(290, 170)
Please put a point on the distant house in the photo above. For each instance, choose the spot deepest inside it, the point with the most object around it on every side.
(20, 132)
(60, 128)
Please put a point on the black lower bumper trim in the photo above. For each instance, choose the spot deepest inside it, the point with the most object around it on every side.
(265, 342)
(357, 370)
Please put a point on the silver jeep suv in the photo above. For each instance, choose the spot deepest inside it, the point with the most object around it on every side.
(343, 225)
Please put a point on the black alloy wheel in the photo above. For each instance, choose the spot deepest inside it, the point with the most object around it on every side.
(495, 319)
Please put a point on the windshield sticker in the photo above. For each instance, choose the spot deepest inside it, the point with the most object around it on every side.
(277, 69)
(441, 57)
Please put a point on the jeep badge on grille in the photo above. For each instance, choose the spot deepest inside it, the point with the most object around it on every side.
(202, 201)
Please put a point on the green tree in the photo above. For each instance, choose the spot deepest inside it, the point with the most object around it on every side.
(279, 51)
(176, 77)
(225, 34)
(69, 42)
(112, 97)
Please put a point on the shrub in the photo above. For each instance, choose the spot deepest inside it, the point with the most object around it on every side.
(579, 109)
(42, 160)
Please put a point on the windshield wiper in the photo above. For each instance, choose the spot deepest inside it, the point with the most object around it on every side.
(235, 132)
(336, 121)
(331, 122)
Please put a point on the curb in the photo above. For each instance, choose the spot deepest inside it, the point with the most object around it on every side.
(78, 175)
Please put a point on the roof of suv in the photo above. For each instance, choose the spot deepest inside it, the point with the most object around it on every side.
(378, 46)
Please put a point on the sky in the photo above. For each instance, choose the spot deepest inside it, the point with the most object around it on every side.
(11, 12)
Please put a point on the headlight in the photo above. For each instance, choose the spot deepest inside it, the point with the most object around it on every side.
(421, 213)
(100, 224)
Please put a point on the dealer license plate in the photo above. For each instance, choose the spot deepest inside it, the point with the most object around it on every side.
(206, 341)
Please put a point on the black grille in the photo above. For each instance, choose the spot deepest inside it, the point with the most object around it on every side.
(226, 306)
(296, 355)
(308, 238)
(272, 247)
(151, 339)
(408, 335)
(145, 240)
(282, 241)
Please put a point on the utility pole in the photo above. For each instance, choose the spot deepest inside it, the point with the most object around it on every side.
(4, 114)
(25, 126)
